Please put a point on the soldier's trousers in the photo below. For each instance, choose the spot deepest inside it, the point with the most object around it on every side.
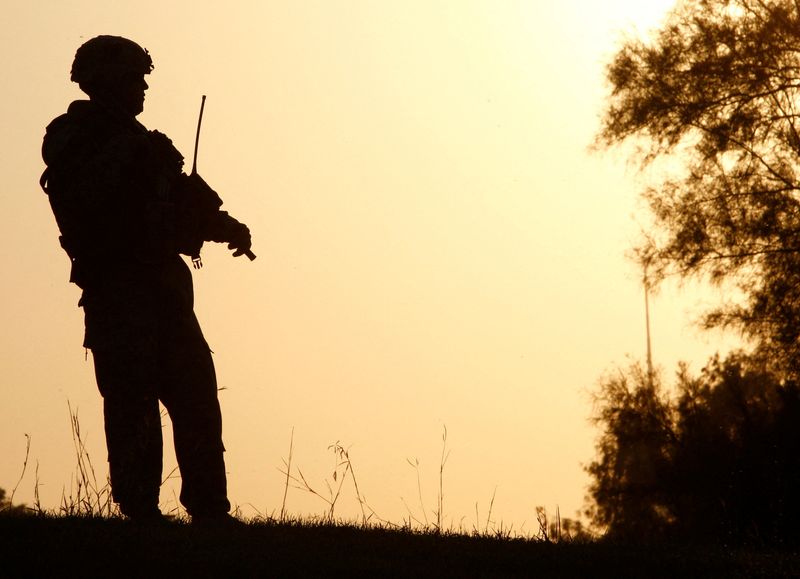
(177, 369)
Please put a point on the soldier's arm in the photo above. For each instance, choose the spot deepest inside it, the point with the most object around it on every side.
(213, 223)
(225, 229)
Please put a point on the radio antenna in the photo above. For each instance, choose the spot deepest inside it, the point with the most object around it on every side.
(196, 259)
(197, 136)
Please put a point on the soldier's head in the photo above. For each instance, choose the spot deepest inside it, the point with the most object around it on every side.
(112, 69)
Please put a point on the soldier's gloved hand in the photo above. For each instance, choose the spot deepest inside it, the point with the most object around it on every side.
(239, 239)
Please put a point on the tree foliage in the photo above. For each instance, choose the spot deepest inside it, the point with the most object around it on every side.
(6, 508)
(636, 429)
(716, 461)
(716, 89)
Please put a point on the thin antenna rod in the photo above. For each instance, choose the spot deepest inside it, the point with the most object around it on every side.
(250, 255)
(647, 323)
(197, 136)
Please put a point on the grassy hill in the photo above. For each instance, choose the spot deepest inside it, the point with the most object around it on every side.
(40, 546)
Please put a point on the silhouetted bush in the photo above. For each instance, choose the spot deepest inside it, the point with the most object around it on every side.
(6, 508)
(717, 459)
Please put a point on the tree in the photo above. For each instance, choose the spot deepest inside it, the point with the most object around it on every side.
(715, 92)
(734, 473)
(6, 508)
(714, 462)
(637, 433)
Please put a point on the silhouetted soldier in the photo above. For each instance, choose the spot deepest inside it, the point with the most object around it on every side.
(126, 211)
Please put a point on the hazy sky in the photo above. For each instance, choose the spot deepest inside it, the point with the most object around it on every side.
(437, 248)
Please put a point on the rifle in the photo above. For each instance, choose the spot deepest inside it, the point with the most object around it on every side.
(196, 259)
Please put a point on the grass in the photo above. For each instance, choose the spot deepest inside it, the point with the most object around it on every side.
(85, 536)
(45, 546)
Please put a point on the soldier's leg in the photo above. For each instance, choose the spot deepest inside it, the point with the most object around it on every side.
(133, 431)
(189, 392)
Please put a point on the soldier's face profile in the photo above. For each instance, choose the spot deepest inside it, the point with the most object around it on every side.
(127, 91)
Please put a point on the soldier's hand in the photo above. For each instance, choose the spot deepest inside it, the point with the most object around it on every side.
(239, 240)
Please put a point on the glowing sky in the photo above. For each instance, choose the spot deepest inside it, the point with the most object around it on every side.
(436, 245)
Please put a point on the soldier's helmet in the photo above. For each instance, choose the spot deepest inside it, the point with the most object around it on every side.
(105, 58)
